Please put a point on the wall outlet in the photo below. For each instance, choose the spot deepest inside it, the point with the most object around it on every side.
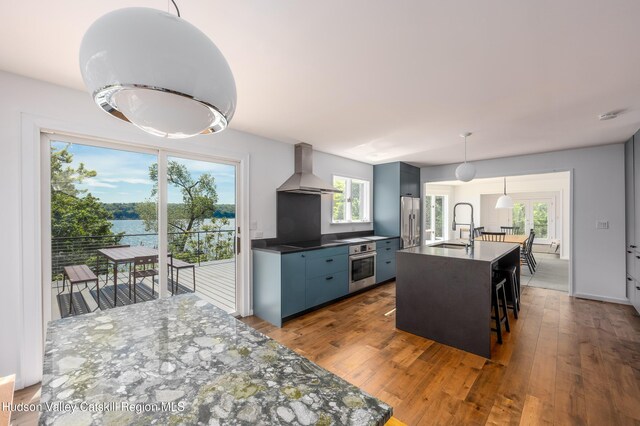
(259, 234)
(602, 224)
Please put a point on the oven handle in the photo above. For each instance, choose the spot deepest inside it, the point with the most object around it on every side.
(362, 256)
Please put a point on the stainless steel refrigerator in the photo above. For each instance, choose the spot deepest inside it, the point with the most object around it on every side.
(409, 222)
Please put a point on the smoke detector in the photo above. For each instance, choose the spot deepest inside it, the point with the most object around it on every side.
(608, 116)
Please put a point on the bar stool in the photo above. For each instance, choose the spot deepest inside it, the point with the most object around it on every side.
(511, 275)
(498, 294)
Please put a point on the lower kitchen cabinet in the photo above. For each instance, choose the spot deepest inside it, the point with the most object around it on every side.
(386, 259)
(286, 284)
(325, 288)
(634, 293)
(293, 274)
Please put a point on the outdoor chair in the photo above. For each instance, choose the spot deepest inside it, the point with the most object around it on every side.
(143, 267)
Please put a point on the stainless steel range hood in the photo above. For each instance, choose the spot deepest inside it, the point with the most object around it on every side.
(303, 181)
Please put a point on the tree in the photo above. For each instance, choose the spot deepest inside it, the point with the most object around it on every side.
(195, 213)
(75, 213)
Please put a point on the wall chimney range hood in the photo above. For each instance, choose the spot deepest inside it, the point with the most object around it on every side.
(303, 181)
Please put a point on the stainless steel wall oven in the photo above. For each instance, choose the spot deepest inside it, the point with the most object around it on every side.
(362, 266)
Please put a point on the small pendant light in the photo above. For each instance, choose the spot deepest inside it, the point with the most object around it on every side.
(465, 171)
(158, 72)
(505, 201)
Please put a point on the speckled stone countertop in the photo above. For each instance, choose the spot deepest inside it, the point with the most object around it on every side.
(122, 365)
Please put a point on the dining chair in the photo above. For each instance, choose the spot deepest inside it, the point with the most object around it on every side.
(143, 267)
(477, 232)
(493, 236)
(510, 230)
(526, 253)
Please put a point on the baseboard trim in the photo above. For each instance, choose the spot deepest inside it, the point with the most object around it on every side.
(602, 299)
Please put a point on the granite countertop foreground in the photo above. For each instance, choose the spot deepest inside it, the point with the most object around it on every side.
(205, 366)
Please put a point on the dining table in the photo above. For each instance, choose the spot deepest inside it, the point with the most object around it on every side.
(120, 256)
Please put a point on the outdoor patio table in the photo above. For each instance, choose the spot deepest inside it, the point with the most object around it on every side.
(118, 256)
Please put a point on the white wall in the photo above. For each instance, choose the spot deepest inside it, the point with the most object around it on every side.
(598, 267)
(25, 100)
(327, 165)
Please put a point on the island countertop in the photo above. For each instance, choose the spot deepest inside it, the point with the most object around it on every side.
(484, 251)
(206, 366)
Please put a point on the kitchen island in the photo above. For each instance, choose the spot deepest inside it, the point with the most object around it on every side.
(181, 360)
(443, 291)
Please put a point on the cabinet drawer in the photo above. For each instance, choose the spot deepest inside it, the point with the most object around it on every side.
(635, 265)
(631, 262)
(394, 243)
(325, 252)
(327, 287)
(385, 269)
(326, 265)
(635, 298)
(387, 252)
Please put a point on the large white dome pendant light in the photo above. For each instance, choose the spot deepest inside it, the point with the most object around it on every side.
(465, 171)
(159, 72)
(505, 201)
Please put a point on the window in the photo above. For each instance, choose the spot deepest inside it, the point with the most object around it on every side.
(435, 218)
(536, 213)
(352, 205)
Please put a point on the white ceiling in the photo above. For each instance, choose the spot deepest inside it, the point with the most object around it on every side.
(382, 81)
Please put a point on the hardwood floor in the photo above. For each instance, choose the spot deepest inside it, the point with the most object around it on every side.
(566, 361)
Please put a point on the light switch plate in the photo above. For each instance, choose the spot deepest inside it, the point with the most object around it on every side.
(253, 225)
(602, 224)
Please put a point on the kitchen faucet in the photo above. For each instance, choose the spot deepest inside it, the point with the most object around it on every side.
(471, 227)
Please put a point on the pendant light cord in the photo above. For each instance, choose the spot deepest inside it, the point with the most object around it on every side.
(176, 6)
(505, 185)
(465, 148)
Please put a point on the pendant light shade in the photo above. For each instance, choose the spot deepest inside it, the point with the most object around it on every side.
(465, 171)
(159, 72)
(505, 201)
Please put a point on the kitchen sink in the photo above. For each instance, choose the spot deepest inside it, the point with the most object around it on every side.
(450, 246)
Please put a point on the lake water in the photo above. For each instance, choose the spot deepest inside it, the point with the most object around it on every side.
(136, 227)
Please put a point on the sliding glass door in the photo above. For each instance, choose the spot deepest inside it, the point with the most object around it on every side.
(201, 221)
(97, 196)
(106, 250)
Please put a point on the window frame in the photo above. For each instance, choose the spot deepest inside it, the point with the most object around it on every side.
(365, 200)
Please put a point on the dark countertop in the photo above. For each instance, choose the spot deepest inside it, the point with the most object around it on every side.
(310, 245)
(484, 251)
(208, 367)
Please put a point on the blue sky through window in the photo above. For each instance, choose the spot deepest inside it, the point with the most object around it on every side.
(123, 176)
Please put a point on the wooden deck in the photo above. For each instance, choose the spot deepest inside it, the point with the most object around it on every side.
(215, 282)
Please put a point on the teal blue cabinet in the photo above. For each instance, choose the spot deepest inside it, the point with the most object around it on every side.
(286, 284)
(386, 259)
(386, 269)
(328, 287)
(390, 182)
(326, 265)
(293, 283)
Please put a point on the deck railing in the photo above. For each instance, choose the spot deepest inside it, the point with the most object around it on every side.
(193, 247)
